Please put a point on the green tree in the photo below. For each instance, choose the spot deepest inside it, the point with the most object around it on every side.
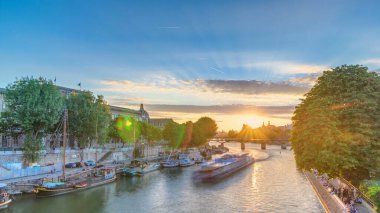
(128, 128)
(204, 129)
(113, 133)
(89, 118)
(335, 128)
(33, 107)
(150, 132)
(102, 116)
(173, 133)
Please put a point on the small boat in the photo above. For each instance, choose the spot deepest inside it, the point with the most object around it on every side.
(170, 163)
(5, 197)
(80, 185)
(184, 160)
(100, 177)
(131, 172)
(198, 159)
(222, 167)
(150, 168)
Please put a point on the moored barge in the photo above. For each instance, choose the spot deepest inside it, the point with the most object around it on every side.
(222, 167)
(49, 189)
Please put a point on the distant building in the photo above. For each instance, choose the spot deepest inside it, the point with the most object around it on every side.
(159, 122)
(65, 91)
(140, 115)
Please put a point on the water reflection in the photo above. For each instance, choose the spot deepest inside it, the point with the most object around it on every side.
(273, 185)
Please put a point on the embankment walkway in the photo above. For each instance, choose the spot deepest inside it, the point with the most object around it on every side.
(330, 202)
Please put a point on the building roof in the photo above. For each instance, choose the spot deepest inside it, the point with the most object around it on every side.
(67, 89)
(160, 119)
(116, 108)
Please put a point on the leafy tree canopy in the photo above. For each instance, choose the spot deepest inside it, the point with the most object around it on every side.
(128, 128)
(33, 107)
(89, 118)
(204, 129)
(150, 132)
(173, 133)
(335, 128)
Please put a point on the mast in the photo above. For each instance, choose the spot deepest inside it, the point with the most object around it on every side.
(134, 142)
(96, 132)
(64, 143)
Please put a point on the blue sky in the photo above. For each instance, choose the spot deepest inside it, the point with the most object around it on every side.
(171, 54)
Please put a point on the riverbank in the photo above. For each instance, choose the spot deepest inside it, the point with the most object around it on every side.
(330, 201)
(266, 186)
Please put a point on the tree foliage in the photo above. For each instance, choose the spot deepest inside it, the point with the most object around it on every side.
(173, 134)
(269, 132)
(127, 128)
(89, 118)
(190, 134)
(232, 133)
(335, 128)
(150, 132)
(203, 130)
(33, 107)
(113, 133)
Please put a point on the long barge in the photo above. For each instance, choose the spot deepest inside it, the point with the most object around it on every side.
(222, 167)
(49, 189)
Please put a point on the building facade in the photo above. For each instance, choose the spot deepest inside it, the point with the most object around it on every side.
(159, 122)
(140, 115)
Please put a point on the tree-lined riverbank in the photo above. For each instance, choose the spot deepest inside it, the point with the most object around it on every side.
(271, 185)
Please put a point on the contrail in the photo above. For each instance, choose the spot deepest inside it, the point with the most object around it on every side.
(218, 70)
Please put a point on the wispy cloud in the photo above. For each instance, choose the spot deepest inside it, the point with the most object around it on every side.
(372, 61)
(251, 87)
(243, 87)
(307, 81)
(285, 67)
(223, 109)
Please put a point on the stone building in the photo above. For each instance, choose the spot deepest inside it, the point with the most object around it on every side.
(141, 114)
(159, 122)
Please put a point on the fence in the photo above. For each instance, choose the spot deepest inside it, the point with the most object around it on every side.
(367, 199)
(327, 200)
(14, 172)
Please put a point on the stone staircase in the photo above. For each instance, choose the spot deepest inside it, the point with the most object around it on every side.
(105, 156)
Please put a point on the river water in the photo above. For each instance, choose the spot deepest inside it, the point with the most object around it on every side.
(270, 185)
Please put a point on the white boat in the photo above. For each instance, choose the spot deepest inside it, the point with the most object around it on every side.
(169, 163)
(148, 168)
(151, 167)
(222, 167)
(184, 160)
(5, 197)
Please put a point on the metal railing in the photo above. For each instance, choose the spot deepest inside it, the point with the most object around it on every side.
(362, 195)
(327, 200)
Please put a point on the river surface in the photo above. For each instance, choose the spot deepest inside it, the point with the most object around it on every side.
(270, 185)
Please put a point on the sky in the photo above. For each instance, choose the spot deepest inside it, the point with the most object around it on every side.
(235, 61)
